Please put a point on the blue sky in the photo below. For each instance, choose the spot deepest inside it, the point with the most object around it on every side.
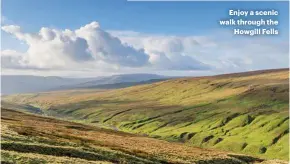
(182, 19)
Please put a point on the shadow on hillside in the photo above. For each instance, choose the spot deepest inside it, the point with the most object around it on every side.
(4, 162)
(219, 161)
(236, 159)
(95, 155)
(70, 108)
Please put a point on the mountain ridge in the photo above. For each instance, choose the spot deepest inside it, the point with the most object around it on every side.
(12, 84)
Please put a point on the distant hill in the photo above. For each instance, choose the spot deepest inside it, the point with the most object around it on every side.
(117, 85)
(12, 84)
(117, 81)
(245, 112)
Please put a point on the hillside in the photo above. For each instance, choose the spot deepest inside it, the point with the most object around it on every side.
(116, 79)
(56, 141)
(13, 84)
(108, 85)
(244, 112)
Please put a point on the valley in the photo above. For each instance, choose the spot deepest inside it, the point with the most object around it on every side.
(27, 138)
(244, 113)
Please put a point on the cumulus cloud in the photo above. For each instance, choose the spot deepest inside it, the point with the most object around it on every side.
(89, 45)
(169, 52)
(11, 58)
(51, 48)
(92, 48)
(218, 52)
(105, 47)
(175, 62)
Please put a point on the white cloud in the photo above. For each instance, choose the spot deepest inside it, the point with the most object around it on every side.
(221, 52)
(90, 48)
(11, 58)
(89, 45)
(169, 52)
(105, 47)
(51, 48)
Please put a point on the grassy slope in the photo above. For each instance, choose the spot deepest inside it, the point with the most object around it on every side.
(246, 112)
(29, 138)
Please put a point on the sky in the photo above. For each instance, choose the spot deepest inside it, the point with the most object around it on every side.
(104, 37)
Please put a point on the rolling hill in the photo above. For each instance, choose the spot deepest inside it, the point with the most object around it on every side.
(244, 112)
(13, 84)
(27, 138)
(114, 79)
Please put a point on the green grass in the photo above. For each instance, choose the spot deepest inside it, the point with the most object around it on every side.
(32, 139)
(244, 113)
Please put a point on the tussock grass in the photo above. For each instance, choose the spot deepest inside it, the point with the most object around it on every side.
(46, 140)
(244, 113)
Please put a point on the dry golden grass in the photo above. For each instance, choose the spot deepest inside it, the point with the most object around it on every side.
(183, 91)
(244, 112)
(40, 132)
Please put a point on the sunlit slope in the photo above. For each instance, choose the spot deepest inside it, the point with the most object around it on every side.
(245, 112)
(27, 138)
